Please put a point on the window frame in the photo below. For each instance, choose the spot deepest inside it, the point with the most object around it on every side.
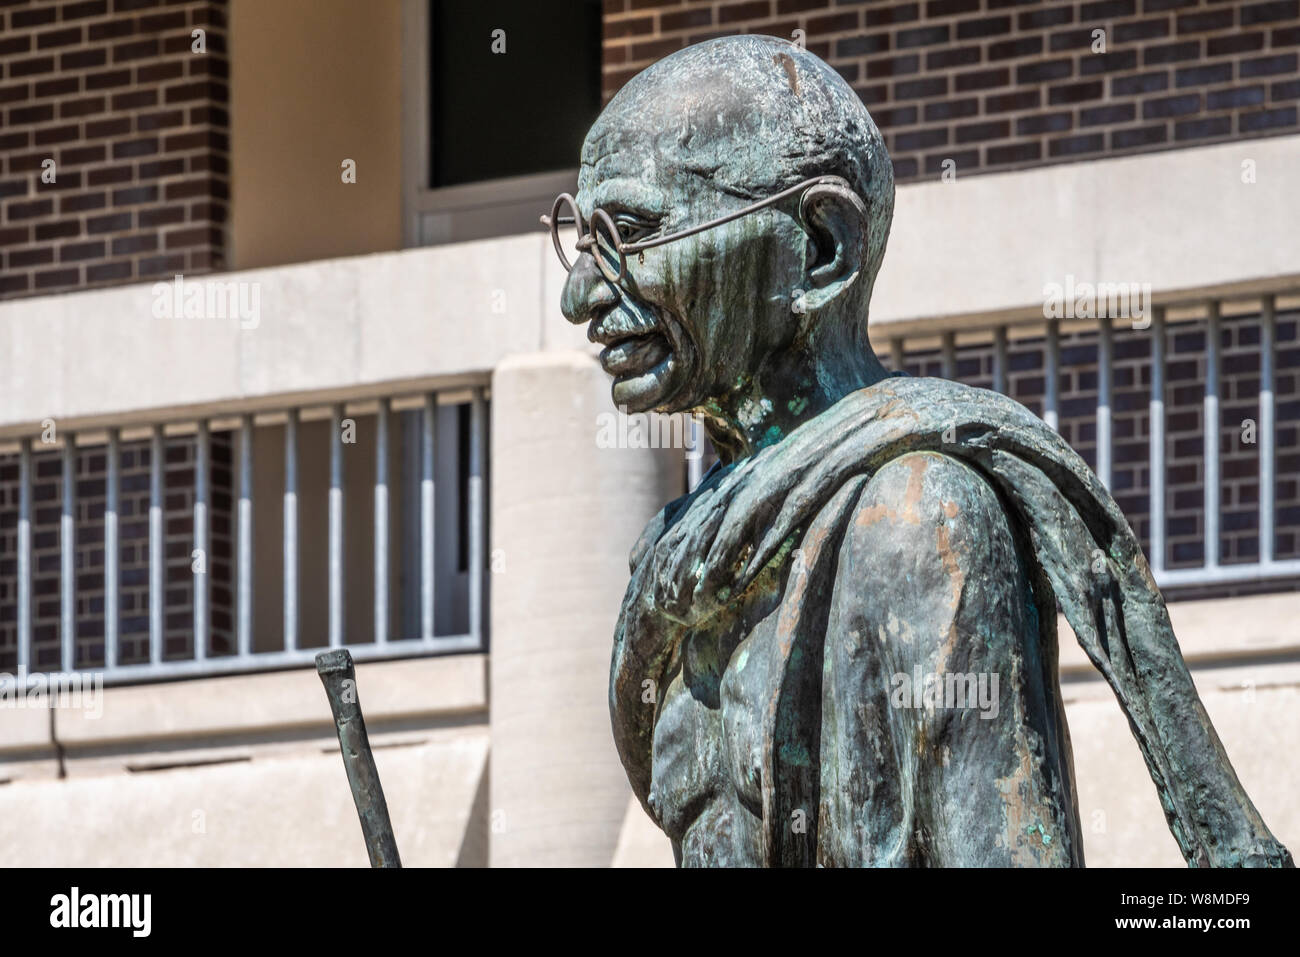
(433, 216)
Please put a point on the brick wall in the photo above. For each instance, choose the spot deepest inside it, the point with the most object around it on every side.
(1000, 84)
(137, 127)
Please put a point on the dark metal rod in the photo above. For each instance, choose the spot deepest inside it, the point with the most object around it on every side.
(339, 676)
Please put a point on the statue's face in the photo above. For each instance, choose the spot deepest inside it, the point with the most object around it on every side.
(692, 319)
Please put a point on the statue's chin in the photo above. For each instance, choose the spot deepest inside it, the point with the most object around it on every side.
(642, 391)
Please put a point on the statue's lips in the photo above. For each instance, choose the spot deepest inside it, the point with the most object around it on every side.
(635, 355)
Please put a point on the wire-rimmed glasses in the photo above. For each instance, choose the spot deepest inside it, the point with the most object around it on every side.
(601, 237)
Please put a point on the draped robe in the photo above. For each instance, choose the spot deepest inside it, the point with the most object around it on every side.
(743, 737)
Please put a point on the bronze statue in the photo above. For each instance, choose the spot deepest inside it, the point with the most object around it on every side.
(840, 649)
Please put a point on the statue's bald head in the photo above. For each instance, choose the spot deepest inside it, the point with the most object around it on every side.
(753, 115)
(698, 136)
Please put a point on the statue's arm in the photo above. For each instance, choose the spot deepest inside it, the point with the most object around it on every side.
(930, 582)
(644, 644)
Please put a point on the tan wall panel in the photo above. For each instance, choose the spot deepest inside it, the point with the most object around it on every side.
(565, 516)
(314, 82)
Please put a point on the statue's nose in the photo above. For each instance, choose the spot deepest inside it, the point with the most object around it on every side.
(587, 293)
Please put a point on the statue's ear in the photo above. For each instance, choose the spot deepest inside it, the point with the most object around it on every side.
(835, 218)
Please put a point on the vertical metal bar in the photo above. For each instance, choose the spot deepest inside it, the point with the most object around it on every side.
(1267, 462)
(1210, 432)
(1105, 389)
(477, 519)
(1156, 434)
(336, 529)
(291, 531)
(428, 434)
(411, 455)
(112, 579)
(897, 355)
(157, 569)
(68, 556)
(949, 355)
(1052, 376)
(201, 557)
(381, 521)
(25, 554)
(1000, 359)
(694, 452)
(244, 544)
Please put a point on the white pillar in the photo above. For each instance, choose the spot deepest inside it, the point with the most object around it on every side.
(565, 515)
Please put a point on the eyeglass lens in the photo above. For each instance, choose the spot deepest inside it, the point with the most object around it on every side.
(568, 231)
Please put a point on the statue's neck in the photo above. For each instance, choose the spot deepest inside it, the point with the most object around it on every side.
(787, 391)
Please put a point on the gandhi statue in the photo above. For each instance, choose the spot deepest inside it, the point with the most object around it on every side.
(840, 649)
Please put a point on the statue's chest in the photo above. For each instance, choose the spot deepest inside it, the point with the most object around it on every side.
(706, 782)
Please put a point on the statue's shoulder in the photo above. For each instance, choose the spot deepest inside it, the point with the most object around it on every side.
(927, 499)
(924, 531)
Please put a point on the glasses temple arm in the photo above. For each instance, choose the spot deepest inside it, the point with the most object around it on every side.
(761, 204)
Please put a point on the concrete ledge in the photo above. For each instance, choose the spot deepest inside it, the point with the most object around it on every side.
(25, 728)
(340, 328)
(1181, 220)
(212, 707)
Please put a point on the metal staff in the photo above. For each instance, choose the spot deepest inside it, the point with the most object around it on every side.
(338, 675)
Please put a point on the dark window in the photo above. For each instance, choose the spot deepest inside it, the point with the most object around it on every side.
(526, 110)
